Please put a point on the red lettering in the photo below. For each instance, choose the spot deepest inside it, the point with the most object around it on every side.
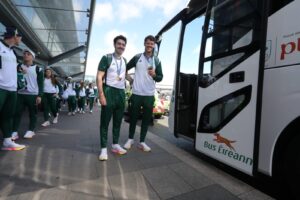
(292, 47)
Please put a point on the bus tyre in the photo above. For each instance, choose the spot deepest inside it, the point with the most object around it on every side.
(291, 167)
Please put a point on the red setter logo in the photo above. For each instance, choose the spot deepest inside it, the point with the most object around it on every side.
(220, 139)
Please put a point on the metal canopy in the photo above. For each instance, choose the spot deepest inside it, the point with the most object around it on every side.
(56, 30)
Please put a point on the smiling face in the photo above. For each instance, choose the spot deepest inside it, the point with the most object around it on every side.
(149, 46)
(120, 46)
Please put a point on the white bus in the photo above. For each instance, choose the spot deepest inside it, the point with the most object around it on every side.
(237, 84)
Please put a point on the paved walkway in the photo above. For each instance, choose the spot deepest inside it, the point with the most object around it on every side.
(61, 162)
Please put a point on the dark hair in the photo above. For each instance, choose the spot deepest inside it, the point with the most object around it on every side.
(81, 85)
(120, 37)
(150, 37)
(53, 79)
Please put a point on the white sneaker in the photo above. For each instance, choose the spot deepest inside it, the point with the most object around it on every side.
(91, 111)
(69, 113)
(9, 145)
(128, 144)
(29, 134)
(83, 112)
(55, 119)
(117, 149)
(73, 113)
(144, 147)
(46, 123)
(14, 136)
(103, 154)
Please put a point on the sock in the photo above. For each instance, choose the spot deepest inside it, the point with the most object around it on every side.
(104, 150)
(130, 140)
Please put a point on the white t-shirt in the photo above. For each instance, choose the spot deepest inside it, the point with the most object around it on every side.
(30, 75)
(48, 86)
(70, 89)
(91, 92)
(115, 76)
(8, 68)
(82, 92)
(143, 83)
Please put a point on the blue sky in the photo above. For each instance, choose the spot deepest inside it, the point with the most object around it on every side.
(135, 19)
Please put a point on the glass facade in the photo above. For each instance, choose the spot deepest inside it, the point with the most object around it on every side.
(61, 26)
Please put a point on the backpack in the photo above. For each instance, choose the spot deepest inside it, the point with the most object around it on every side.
(21, 81)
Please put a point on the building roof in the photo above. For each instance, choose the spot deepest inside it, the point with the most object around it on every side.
(57, 31)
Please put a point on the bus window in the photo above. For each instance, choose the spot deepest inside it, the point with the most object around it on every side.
(168, 53)
(229, 37)
(191, 47)
(218, 113)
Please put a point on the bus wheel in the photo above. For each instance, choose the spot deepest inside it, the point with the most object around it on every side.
(291, 167)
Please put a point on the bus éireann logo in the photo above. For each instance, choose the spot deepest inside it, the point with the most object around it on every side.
(227, 142)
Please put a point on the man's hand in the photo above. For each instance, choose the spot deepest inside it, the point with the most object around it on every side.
(151, 72)
(102, 99)
(38, 100)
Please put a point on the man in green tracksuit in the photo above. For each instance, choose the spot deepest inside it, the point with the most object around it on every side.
(29, 94)
(8, 86)
(112, 70)
(148, 71)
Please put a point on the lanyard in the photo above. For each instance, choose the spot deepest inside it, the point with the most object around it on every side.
(149, 60)
(118, 67)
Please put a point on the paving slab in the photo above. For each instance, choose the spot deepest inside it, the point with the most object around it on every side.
(212, 192)
(61, 162)
(166, 182)
(133, 186)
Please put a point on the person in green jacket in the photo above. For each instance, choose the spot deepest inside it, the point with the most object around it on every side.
(81, 98)
(8, 86)
(49, 97)
(29, 95)
(91, 96)
(111, 85)
(148, 71)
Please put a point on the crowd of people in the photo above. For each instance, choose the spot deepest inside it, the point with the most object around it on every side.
(28, 85)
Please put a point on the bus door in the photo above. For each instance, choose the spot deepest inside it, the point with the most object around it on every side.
(229, 63)
(183, 113)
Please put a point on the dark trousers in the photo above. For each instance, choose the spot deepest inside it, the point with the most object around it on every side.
(138, 102)
(115, 99)
(8, 100)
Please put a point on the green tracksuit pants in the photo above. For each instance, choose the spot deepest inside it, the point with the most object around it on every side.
(81, 103)
(72, 103)
(146, 102)
(115, 99)
(91, 102)
(49, 103)
(8, 102)
(58, 104)
(29, 101)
